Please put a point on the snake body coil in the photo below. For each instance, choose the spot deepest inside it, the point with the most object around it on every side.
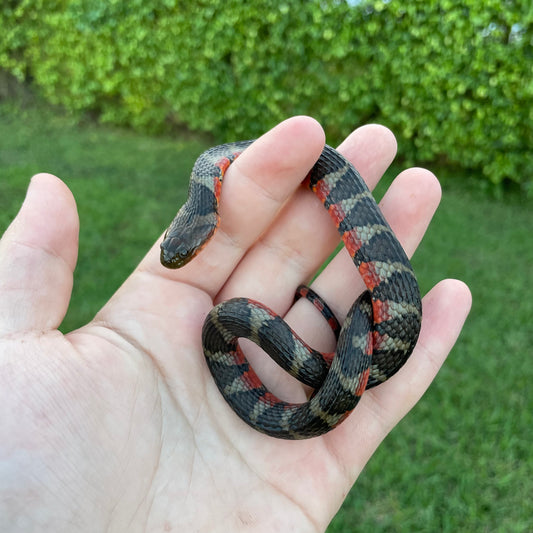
(377, 337)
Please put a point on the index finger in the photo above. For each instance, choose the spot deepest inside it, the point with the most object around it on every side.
(255, 188)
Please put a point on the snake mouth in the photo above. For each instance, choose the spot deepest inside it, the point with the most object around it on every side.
(174, 255)
(177, 251)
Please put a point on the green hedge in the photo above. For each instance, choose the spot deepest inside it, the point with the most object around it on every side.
(453, 79)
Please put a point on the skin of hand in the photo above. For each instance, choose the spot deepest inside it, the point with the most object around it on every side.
(118, 426)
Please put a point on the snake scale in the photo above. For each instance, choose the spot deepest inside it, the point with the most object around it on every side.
(377, 336)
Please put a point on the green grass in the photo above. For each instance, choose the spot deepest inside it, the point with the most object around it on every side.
(462, 460)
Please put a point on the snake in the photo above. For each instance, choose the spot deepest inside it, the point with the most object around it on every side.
(375, 340)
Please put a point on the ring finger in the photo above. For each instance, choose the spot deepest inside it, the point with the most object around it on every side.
(408, 206)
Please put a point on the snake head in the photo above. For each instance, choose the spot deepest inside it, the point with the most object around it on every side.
(185, 237)
(175, 254)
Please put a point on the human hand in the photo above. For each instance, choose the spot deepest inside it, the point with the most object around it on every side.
(119, 426)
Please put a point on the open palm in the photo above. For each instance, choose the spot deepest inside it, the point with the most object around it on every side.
(118, 426)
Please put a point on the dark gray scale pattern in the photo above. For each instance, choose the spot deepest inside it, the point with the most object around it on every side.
(338, 389)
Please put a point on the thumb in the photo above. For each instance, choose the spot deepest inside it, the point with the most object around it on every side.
(38, 254)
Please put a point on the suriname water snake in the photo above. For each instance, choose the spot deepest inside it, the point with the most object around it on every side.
(378, 334)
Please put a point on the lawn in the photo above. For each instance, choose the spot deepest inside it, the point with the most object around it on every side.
(462, 459)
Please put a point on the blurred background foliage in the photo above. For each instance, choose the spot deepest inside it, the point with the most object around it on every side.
(452, 79)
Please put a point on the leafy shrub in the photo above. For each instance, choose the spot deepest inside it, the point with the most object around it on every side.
(452, 79)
